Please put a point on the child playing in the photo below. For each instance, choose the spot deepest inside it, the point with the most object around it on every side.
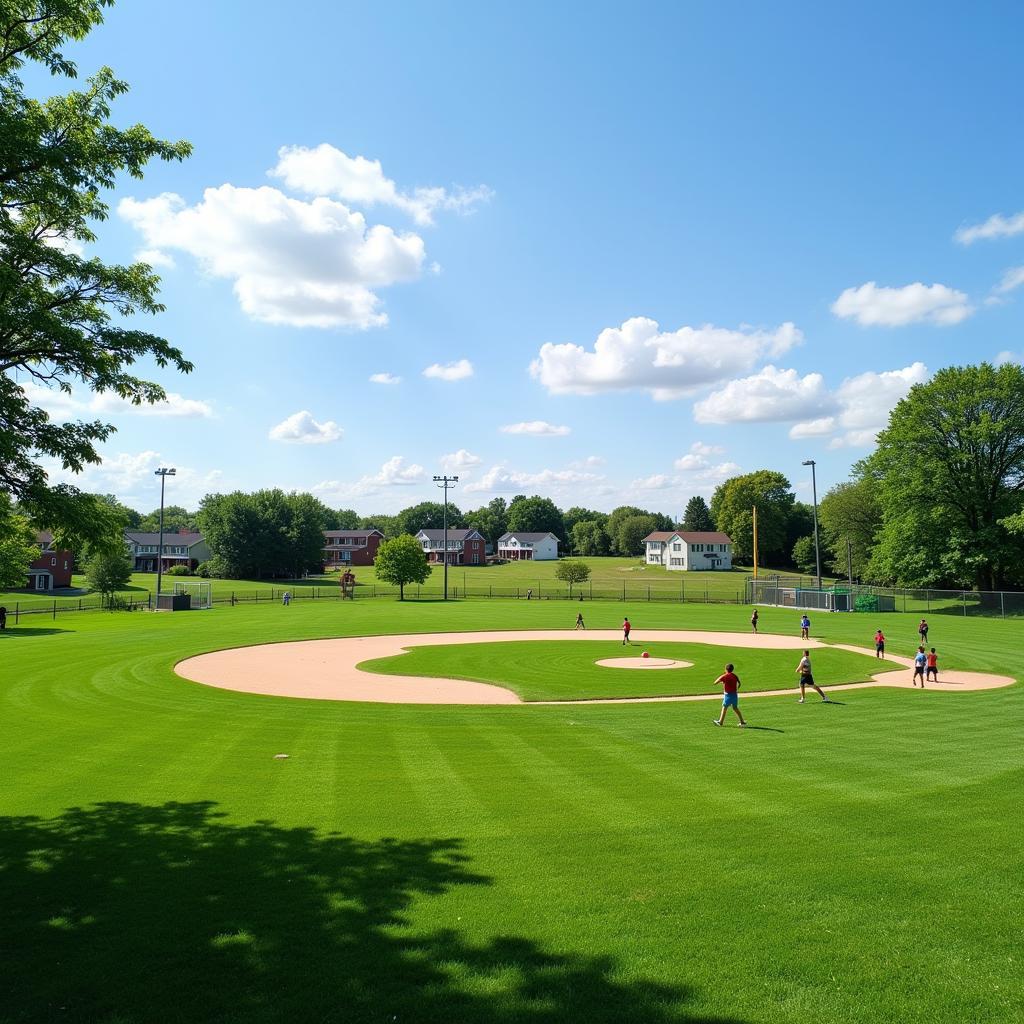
(879, 644)
(920, 661)
(730, 683)
(803, 670)
(805, 627)
(932, 666)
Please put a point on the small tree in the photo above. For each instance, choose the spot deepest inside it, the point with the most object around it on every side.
(803, 555)
(17, 548)
(108, 572)
(400, 561)
(697, 517)
(572, 571)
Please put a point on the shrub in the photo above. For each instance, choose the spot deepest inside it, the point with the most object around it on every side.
(178, 570)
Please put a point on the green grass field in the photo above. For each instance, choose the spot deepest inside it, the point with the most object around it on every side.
(860, 863)
(550, 670)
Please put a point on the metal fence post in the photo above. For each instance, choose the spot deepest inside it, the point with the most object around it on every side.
(55, 609)
(964, 593)
(1002, 605)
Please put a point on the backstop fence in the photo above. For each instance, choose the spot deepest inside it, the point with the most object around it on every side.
(800, 593)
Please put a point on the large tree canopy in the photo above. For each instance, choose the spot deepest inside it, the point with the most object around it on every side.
(536, 515)
(949, 468)
(697, 517)
(732, 504)
(65, 316)
(850, 512)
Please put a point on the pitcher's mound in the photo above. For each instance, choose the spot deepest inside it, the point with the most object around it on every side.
(642, 663)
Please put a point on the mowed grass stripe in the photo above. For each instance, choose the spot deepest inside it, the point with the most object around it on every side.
(858, 866)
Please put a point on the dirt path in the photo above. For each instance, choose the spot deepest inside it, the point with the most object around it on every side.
(327, 669)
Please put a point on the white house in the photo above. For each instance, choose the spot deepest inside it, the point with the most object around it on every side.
(537, 547)
(689, 551)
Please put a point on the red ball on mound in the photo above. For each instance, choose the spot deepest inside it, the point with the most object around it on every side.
(645, 655)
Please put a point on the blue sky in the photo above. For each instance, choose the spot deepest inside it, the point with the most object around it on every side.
(644, 246)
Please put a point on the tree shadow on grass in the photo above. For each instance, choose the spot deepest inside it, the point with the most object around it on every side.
(13, 632)
(129, 914)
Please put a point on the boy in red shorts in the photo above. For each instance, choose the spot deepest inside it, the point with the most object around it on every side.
(730, 683)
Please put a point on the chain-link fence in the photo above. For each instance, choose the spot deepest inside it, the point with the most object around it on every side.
(800, 592)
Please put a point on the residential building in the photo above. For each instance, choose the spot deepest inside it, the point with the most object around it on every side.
(343, 548)
(537, 547)
(182, 548)
(52, 569)
(688, 552)
(465, 547)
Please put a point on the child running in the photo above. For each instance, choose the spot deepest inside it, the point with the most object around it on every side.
(920, 661)
(879, 644)
(803, 670)
(579, 621)
(730, 683)
(753, 621)
(626, 627)
(932, 666)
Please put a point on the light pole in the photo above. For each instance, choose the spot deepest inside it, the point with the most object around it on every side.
(446, 482)
(163, 474)
(814, 492)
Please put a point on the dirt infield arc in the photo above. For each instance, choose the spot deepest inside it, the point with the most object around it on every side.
(328, 669)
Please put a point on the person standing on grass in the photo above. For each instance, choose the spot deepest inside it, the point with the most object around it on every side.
(626, 627)
(753, 621)
(730, 683)
(803, 670)
(922, 631)
(579, 621)
(932, 666)
(920, 662)
(805, 627)
(286, 598)
(879, 644)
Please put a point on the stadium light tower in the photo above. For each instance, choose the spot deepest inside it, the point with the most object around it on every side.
(445, 482)
(814, 492)
(163, 474)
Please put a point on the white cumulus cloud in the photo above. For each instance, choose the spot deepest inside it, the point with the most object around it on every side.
(535, 428)
(325, 170)
(498, 479)
(638, 355)
(821, 427)
(301, 428)
(997, 226)
(461, 461)
(60, 405)
(384, 378)
(872, 306)
(304, 264)
(156, 258)
(771, 395)
(1009, 357)
(458, 370)
(861, 406)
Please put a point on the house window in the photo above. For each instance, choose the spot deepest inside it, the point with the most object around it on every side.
(676, 546)
(476, 559)
(53, 561)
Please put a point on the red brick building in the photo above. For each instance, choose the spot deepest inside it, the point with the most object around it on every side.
(52, 569)
(343, 548)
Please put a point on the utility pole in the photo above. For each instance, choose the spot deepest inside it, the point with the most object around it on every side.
(163, 474)
(817, 549)
(446, 482)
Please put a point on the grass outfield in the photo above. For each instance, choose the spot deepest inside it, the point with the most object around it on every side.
(502, 864)
(549, 670)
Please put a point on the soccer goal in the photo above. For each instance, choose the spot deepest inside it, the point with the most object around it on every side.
(201, 593)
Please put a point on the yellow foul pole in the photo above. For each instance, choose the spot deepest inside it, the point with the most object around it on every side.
(755, 542)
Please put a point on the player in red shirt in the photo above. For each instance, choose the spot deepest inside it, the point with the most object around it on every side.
(932, 665)
(730, 683)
